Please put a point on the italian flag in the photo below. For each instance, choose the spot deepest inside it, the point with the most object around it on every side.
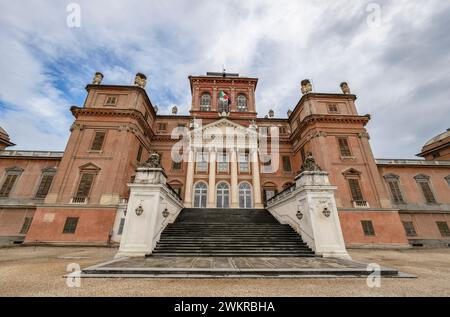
(224, 97)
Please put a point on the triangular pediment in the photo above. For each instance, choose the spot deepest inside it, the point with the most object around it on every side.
(89, 167)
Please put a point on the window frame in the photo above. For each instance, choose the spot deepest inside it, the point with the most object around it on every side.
(284, 159)
(205, 107)
(26, 225)
(204, 161)
(111, 104)
(239, 107)
(391, 178)
(424, 179)
(223, 159)
(71, 227)
(444, 230)
(94, 138)
(368, 228)
(410, 228)
(344, 149)
(13, 172)
(333, 111)
(45, 173)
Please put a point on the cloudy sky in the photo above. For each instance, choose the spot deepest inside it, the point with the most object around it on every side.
(395, 55)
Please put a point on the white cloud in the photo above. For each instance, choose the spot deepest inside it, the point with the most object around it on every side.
(47, 64)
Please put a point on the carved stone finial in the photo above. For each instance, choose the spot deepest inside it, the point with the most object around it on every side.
(154, 161)
(271, 113)
(253, 125)
(156, 109)
(310, 164)
(174, 110)
(98, 78)
(140, 80)
(345, 88)
(289, 113)
(306, 87)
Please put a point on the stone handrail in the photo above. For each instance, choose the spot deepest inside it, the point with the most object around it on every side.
(286, 192)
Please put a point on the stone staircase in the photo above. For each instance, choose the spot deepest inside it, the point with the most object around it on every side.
(230, 233)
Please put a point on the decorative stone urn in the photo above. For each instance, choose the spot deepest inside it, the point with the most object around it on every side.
(140, 80)
(306, 86)
(345, 88)
(98, 78)
(289, 113)
(174, 110)
(271, 113)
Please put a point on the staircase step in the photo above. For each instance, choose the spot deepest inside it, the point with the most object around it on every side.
(230, 232)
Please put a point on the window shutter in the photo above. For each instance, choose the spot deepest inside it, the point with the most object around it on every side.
(368, 227)
(8, 185)
(409, 229)
(287, 164)
(97, 144)
(356, 190)
(429, 197)
(71, 225)
(344, 147)
(443, 228)
(44, 186)
(395, 190)
(85, 185)
(139, 154)
(26, 225)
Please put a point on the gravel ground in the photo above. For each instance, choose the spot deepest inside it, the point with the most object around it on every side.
(29, 271)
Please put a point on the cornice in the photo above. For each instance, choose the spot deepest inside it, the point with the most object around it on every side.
(329, 119)
(131, 113)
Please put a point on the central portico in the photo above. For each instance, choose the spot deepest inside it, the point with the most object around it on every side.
(223, 166)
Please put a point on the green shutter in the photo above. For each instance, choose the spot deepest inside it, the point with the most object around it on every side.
(99, 139)
(85, 185)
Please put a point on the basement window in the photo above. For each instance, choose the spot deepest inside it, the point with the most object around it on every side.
(368, 228)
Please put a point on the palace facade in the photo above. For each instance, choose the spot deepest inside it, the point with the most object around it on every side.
(80, 196)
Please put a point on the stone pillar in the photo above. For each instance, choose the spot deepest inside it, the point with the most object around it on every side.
(189, 179)
(257, 202)
(212, 180)
(152, 206)
(234, 180)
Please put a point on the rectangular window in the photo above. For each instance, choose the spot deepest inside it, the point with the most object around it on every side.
(287, 164)
(344, 147)
(202, 162)
(8, 185)
(122, 223)
(111, 101)
(427, 193)
(99, 139)
(368, 228)
(84, 188)
(71, 225)
(162, 126)
(303, 155)
(44, 186)
(394, 187)
(244, 166)
(139, 154)
(409, 228)
(443, 228)
(333, 108)
(26, 225)
(355, 189)
(222, 163)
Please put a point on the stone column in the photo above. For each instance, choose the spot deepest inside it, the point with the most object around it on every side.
(234, 180)
(189, 179)
(256, 180)
(212, 179)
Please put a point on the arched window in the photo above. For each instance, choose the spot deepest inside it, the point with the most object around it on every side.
(242, 103)
(245, 195)
(200, 195)
(205, 102)
(223, 196)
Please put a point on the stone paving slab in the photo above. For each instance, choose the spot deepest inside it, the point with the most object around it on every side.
(233, 267)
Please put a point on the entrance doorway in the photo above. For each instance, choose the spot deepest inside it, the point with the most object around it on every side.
(200, 195)
(223, 195)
